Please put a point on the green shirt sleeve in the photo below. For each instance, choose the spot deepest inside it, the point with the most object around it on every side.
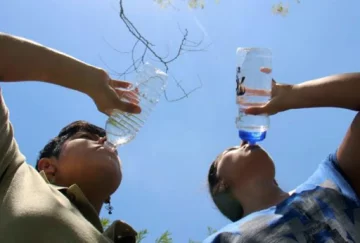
(10, 155)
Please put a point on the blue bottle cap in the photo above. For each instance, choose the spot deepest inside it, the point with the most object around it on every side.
(252, 137)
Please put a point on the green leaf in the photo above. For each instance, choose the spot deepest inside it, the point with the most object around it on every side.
(141, 235)
(192, 241)
(164, 238)
(211, 230)
(105, 222)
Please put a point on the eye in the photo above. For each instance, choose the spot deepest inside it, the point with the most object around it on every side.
(86, 136)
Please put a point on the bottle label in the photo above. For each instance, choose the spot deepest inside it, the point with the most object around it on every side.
(240, 86)
(252, 89)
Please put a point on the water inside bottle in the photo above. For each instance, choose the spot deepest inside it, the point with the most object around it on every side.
(252, 137)
(122, 127)
(253, 128)
(253, 88)
(250, 132)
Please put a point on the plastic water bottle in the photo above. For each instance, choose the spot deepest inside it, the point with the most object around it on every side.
(253, 88)
(122, 127)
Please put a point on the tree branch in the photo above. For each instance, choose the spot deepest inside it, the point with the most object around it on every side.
(185, 45)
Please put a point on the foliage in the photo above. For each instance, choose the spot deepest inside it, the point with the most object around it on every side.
(164, 238)
(211, 230)
(105, 222)
(141, 235)
(278, 8)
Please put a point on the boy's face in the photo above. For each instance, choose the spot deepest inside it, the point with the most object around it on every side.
(240, 165)
(84, 161)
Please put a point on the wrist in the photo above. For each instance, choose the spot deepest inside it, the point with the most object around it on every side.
(286, 93)
(94, 81)
(296, 97)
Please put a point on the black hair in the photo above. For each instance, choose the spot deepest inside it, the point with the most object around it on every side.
(53, 147)
(222, 195)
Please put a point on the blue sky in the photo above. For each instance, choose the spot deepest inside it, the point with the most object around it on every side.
(165, 167)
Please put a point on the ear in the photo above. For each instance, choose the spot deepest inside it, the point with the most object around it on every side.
(48, 165)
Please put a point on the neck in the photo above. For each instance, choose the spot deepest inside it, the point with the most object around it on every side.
(259, 196)
(95, 200)
(97, 205)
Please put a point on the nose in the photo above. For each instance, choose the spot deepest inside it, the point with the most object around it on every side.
(243, 143)
(102, 140)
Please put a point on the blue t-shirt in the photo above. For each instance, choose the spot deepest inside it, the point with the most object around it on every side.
(323, 209)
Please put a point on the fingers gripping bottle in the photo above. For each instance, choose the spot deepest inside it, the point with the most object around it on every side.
(122, 127)
(253, 88)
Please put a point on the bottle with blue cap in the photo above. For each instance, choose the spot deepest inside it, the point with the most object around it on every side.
(253, 88)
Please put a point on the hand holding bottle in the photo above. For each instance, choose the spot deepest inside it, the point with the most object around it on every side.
(280, 99)
(110, 94)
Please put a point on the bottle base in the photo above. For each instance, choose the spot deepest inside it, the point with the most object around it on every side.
(252, 137)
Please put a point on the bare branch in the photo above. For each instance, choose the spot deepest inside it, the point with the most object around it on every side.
(132, 55)
(185, 45)
(122, 52)
(131, 68)
(112, 71)
(186, 94)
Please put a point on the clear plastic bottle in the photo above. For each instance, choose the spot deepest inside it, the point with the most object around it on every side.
(122, 127)
(253, 88)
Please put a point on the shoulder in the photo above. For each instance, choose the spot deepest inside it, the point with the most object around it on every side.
(329, 174)
(240, 229)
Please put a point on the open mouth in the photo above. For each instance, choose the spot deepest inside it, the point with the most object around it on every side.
(248, 146)
(254, 146)
(114, 153)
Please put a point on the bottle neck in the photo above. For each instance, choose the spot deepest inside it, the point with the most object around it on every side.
(109, 146)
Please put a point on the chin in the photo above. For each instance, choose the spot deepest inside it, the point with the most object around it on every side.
(107, 171)
(112, 173)
(109, 180)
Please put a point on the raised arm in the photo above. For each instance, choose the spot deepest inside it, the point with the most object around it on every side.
(25, 60)
(338, 91)
(342, 91)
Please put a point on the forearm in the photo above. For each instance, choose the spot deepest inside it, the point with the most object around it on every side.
(24, 60)
(341, 91)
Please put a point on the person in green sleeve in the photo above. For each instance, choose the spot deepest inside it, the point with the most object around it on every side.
(76, 175)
